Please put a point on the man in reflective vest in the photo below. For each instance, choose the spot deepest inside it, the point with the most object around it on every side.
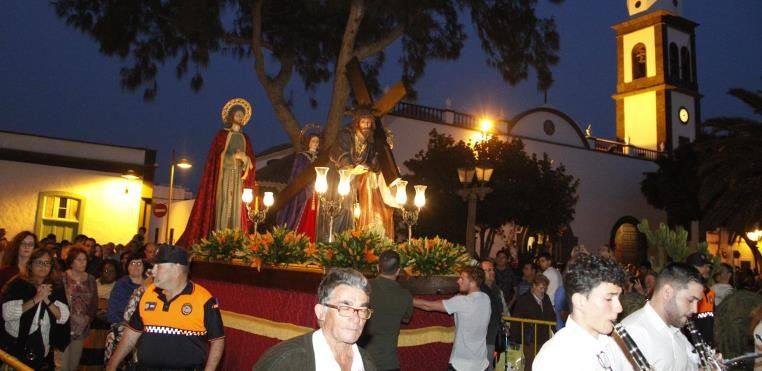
(174, 320)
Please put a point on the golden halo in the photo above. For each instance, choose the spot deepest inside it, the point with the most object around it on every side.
(237, 102)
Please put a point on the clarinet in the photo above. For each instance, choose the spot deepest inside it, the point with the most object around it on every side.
(637, 355)
(706, 355)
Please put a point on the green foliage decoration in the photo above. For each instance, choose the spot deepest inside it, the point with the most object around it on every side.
(357, 249)
(223, 244)
(432, 256)
(280, 246)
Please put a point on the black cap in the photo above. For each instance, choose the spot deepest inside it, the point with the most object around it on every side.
(172, 254)
(697, 259)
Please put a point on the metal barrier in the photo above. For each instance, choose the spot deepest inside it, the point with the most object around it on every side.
(519, 324)
(9, 362)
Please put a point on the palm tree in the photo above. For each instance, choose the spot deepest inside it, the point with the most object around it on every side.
(730, 169)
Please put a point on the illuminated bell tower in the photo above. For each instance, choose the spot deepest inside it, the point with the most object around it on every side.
(657, 99)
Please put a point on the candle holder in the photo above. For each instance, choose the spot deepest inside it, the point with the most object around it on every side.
(255, 215)
(410, 216)
(331, 208)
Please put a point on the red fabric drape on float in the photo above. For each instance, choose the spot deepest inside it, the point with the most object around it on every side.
(243, 349)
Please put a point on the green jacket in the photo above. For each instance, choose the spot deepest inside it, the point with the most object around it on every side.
(297, 354)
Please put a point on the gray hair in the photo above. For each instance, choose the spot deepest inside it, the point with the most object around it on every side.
(341, 276)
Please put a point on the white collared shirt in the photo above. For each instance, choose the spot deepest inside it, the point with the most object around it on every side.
(324, 359)
(555, 278)
(573, 348)
(664, 347)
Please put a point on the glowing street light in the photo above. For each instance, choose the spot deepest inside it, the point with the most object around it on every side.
(184, 164)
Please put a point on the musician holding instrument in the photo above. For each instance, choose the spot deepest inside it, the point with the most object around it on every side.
(593, 285)
(655, 328)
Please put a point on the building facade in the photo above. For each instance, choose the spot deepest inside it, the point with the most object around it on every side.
(69, 187)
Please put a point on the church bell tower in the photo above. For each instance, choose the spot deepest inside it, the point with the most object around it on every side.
(657, 98)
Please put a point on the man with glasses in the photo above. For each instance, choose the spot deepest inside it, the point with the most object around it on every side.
(174, 320)
(341, 311)
(472, 314)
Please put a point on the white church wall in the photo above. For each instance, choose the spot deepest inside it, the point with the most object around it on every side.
(534, 126)
(609, 186)
(412, 136)
(609, 189)
(111, 203)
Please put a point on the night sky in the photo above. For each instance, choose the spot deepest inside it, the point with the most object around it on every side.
(54, 82)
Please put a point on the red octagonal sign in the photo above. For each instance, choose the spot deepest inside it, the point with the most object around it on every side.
(159, 210)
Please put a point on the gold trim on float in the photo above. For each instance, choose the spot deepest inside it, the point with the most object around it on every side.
(284, 331)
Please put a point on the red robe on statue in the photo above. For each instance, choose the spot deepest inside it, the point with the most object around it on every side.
(201, 220)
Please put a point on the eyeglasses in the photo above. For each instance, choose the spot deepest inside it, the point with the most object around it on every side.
(27, 244)
(137, 262)
(42, 263)
(347, 311)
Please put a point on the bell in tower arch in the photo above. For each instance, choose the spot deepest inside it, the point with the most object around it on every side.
(638, 7)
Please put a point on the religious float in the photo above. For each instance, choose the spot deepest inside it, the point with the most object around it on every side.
(266, 285)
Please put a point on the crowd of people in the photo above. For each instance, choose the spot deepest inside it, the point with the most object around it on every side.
(64, 302)
(66, 305)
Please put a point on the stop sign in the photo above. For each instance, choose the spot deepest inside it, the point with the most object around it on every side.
(159, 210)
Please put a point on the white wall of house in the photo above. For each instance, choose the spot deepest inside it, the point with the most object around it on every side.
(111, 203)
(33, 167)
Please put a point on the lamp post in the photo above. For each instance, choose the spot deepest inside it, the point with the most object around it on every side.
(332, 208)
(183, 163)
(256, 215)
(410, 217)
(470, 192)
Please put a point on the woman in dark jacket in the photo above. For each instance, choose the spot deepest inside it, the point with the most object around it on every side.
(534, 304)
(35, 313)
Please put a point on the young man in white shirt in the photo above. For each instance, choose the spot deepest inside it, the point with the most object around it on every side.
(593, 285)
(545, 262)
(472, 313)
(656, 326)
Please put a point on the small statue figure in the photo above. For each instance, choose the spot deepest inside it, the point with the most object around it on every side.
(301, 212)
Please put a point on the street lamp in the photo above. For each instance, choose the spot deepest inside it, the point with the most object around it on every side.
(410, 217)
(470, 192)
(485, 125)
(183, 163)
(332, 208)
(256, 215)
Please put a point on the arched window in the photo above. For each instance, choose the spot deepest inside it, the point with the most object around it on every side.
(685, 64)
(638, 61)
(674, 61)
